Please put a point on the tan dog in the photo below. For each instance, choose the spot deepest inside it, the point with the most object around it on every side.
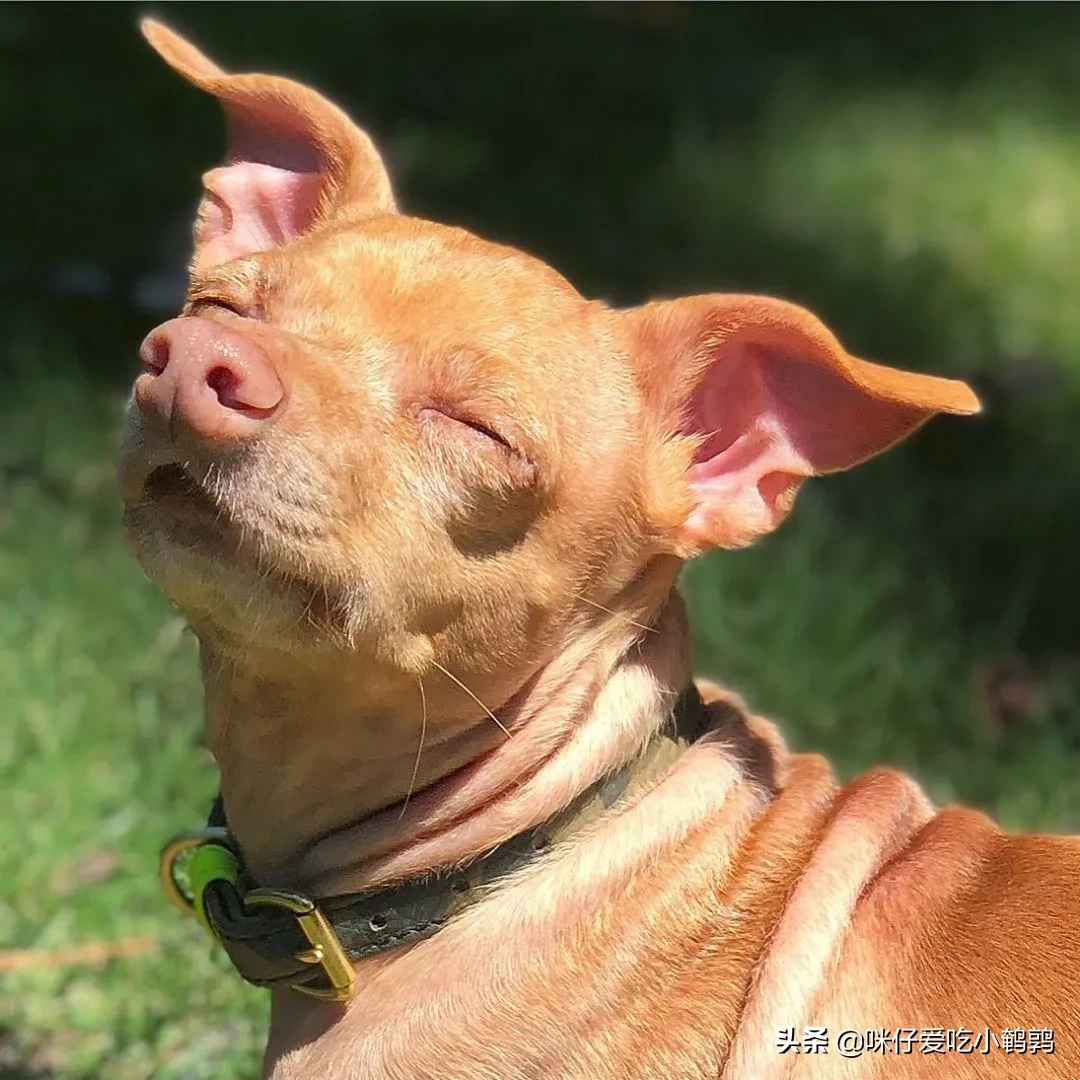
(424, 506)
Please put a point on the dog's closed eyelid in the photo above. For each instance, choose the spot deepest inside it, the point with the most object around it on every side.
(199, 305)
(482, 428)
(240, 292)
(461, 418)
(465, 428)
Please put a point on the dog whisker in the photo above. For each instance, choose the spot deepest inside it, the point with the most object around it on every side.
(419, 749)
(453, 678)
(617, 614)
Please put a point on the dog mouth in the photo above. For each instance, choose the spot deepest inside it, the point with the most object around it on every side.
(176, 507)
(172, 501)
(226, 522)
(172, 482)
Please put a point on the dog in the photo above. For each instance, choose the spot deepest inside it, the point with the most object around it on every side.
(424, 506)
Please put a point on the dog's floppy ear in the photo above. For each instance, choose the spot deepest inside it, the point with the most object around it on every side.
(293, 158)
(752, 395)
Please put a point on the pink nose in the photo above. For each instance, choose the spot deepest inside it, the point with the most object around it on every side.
(207, 379)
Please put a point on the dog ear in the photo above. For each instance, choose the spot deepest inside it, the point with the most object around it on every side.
(293, 159)
(753, 395)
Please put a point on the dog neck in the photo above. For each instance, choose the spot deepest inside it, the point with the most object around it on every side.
(312, 809)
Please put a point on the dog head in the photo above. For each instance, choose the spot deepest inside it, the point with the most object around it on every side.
(376, 438)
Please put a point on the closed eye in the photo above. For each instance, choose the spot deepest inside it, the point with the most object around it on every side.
(201, 304)
(444, 414)
(465, 425)
(481, 429)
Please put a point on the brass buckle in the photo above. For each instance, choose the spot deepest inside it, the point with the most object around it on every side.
(173, 850)
(326, 950)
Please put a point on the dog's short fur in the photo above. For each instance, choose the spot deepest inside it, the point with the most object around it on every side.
(424, 506)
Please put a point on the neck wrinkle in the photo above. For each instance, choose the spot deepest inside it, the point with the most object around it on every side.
(589, 713)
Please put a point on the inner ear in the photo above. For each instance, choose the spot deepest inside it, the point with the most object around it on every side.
(767, 421)
(767, 397)
(251, 207)
(293, 159)
(824, 422)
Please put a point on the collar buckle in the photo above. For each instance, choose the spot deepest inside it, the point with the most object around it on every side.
(213, 860)
(326, 949)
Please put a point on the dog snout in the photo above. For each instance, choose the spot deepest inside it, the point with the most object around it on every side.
(204, 379)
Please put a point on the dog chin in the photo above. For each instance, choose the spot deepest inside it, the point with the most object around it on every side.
(216, 585)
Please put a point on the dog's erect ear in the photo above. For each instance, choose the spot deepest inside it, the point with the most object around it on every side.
(293, 159)
(754, 395)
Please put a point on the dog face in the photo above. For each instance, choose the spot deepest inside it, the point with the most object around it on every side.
(375, 437)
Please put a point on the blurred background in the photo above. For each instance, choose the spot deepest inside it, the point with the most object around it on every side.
(911, 173)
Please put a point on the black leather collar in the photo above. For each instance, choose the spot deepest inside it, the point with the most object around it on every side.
(270, 947)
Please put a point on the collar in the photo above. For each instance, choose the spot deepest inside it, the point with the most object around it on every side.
(277, 938)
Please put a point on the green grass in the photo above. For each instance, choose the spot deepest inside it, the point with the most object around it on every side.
(862, 657)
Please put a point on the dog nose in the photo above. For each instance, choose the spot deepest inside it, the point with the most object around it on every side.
(208, 379)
